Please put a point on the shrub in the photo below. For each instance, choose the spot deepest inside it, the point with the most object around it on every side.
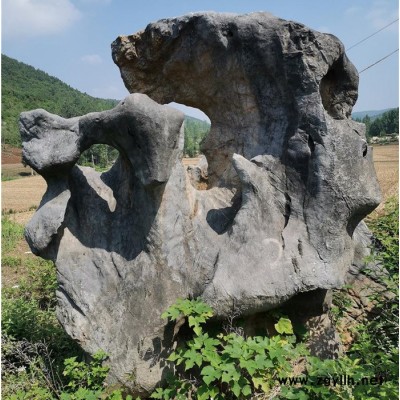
(230, 366)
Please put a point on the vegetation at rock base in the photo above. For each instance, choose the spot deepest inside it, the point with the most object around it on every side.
(39, 361)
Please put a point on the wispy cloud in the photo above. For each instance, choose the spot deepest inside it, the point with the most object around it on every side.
(23, 18)
(92, 59)
(351, 11)
(382, 13)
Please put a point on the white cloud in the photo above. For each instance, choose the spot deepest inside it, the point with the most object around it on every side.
(23, 18)
(352, 11)
(92, 59)
(382, 13)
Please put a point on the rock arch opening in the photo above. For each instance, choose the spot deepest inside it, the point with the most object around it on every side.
(100, 157)
(197, 126)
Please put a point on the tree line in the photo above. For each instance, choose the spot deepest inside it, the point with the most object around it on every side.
(384, 125)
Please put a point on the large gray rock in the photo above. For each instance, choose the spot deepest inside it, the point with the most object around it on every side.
(290, 179)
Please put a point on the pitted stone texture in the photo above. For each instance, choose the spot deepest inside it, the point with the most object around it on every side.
(290, 179)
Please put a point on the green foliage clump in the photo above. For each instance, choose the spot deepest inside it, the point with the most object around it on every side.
(378, 340)
(230, 366)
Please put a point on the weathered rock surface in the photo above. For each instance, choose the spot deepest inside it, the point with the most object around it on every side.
(290, 179)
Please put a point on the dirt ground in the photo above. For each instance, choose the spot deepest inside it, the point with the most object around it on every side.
(10, 155)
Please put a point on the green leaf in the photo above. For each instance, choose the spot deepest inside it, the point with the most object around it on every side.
(203, 392)
(192, 321)
(236, 389)
(173, 357)
(211, 356)
(192, 357)
(210, 374)
(189, 364)
(172, 313)
(261, 383)
(249, 365)
(246, 390)
(284, 326)
(197, 330)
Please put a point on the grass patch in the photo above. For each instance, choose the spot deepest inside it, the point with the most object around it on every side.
(11, 234)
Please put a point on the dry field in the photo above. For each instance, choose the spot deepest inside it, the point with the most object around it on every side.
(20, 197)
(386, 160)
(24, 194)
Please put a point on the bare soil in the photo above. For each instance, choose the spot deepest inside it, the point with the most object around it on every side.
(10, 155)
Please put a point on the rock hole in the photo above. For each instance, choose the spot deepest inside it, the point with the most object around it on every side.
(326, 89)
(311, 143)
(364, 149)
(335, 94)
(100, 157)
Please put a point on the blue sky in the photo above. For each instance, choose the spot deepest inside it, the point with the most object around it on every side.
(70, 39)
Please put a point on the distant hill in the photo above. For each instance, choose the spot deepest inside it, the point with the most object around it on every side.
(373, 114)
(26, 88)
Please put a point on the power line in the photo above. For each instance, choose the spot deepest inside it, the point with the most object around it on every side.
(377, 62)
(363, 40)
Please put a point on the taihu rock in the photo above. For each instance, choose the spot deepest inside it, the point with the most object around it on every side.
(290, 178)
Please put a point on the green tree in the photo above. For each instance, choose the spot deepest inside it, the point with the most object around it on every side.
(195, 132)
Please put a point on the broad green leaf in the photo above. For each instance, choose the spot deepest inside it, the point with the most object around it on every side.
(284, 326)
(203, 392)
(246, 390)
(192, 321)
(249, 365)
(197, 330)
(261, 383)
(236, 389)
(189, 364)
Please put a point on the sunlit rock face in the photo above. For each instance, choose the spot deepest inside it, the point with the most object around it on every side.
(290, 178)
